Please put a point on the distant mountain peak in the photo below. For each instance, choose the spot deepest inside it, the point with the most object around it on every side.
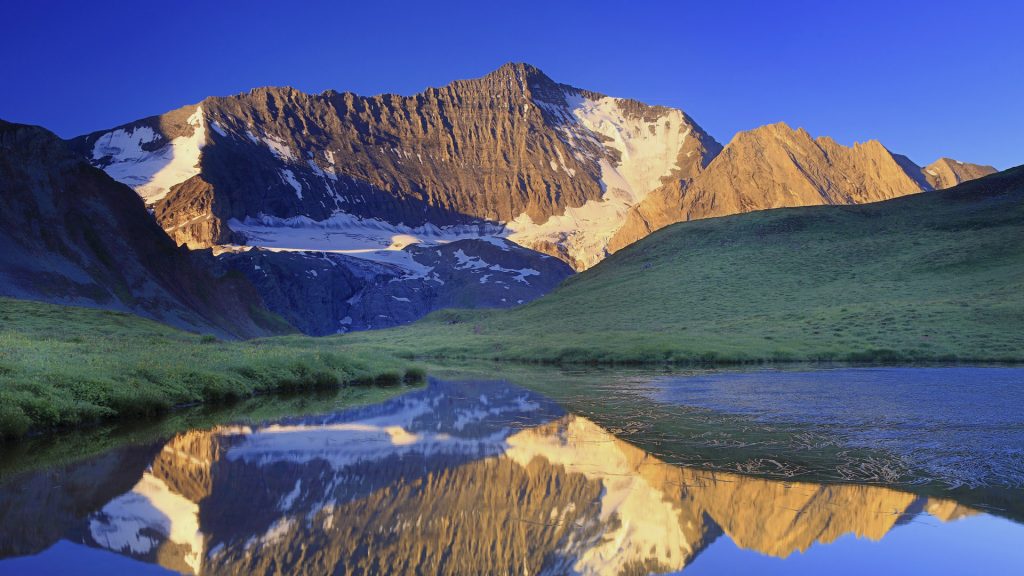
(775, 166)
(947, 172)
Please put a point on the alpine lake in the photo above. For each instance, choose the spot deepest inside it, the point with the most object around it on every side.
(498, 469)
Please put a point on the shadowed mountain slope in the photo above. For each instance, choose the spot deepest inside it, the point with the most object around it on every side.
(70, 234)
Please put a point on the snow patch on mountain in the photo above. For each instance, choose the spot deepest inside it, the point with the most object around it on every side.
(344, 233)
(647, 151)
(278, 148)
(151, 173)
(584, 231)
(289, 177)
(219, 129)
(466, 262)
(496, 241)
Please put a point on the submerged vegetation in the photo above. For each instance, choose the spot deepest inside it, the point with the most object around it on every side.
(64, 366)
(937, 276)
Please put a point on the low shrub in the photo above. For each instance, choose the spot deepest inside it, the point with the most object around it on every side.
(415, 375)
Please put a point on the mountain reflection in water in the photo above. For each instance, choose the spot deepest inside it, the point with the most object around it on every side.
(457, 478)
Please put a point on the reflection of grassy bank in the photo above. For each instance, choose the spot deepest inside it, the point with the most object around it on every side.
(64, 366)
(60, 450)
(616, 399)
(932, 277)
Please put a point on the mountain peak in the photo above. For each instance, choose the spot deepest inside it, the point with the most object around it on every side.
(776, 129)
(38, 139)
(947, 172)
(519, 80)
(780, 126)
(768, 132)
(517, 69)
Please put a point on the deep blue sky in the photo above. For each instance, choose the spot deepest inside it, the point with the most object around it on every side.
(927, 78)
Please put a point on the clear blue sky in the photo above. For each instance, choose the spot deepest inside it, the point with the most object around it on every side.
(927, 78)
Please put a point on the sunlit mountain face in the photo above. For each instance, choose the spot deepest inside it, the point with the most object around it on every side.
(456, 478)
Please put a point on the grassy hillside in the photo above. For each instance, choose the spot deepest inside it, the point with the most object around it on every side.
(63, 366)
(936, 276)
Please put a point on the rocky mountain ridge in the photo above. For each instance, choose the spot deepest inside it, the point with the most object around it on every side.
(513, 148)
(558, 169)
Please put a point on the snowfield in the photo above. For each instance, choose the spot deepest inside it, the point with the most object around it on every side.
(343, 233)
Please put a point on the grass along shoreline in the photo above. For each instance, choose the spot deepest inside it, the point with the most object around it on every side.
(49, 450)
(63, 367)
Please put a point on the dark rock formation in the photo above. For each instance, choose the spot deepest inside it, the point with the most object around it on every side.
(324, 293)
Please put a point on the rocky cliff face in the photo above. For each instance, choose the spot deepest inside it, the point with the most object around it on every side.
(776, 166)
(325, 293)
(70, 234)
(558, 165)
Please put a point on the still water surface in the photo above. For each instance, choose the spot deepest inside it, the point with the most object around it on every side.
(471, 476)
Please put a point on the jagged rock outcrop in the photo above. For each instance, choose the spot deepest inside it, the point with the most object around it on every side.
(70, 234)
(325, 293)
(776, 166)
(188, 218)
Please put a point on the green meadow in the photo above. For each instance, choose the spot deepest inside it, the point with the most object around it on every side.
(65, 366)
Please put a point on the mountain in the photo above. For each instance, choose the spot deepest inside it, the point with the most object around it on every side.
(933, 276)
(71, 234)
(316, 199)
(554, 168)
(776, 166)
